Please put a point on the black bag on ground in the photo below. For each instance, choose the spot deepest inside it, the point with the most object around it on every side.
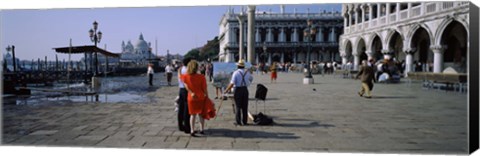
(261, 119)
(261, 92)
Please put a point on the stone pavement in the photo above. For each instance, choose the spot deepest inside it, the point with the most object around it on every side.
(327, 116)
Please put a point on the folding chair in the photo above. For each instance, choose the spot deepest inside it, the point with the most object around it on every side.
(260, 94)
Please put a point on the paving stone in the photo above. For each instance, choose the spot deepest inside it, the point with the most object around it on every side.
(44, 132)
(400, 118)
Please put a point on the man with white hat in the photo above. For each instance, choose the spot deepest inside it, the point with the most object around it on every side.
(240, 81)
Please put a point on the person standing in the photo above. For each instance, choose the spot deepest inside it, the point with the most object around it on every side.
(150, 74)
(240, 81)
(273, 75)
(366, 75)
(169, 72)
(183, 116)
(196, 86)
(210, 71)
(202, 69)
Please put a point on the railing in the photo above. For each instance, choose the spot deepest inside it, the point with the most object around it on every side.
(393, 18)
(383, 20)
(273, 16)
(374, 22)
(403, 14)
(431, 7)
(447, 5)
(428, 9)
(416, 11)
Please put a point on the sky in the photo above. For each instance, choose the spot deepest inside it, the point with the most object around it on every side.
(34, 32)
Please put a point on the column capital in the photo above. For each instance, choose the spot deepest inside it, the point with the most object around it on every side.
(409, 51)
(438, 48)
(386, 51)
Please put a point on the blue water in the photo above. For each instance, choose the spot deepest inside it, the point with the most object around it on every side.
(130, 90)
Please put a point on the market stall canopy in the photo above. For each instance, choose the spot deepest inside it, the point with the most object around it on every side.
(85, 49)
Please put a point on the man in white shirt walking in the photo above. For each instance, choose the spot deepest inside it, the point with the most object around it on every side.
(150, 74)
(169, 72)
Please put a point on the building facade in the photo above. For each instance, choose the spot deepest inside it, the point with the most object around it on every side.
(279, 36)
(433, 33)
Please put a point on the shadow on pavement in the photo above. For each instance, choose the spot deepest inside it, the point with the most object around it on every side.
(248, 134)
(301, 123)
(393, 97)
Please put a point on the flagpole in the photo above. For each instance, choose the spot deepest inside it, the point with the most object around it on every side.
(69, 64)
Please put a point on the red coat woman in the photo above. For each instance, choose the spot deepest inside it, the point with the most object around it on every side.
(196, 86)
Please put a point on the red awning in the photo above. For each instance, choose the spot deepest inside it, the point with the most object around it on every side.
(85, 49)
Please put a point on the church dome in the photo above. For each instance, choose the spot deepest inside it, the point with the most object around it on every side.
(141, 43)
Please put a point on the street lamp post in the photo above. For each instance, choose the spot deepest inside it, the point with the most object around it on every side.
(308, 33)
(95, 37)
(12, 49)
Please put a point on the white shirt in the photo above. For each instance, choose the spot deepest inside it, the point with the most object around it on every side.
(150, 70)
(237, 78)
(168, 69)
(182, 71)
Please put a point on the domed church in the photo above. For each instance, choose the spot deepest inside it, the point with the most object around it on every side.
(139, 53)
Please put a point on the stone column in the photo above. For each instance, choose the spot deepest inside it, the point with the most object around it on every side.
(256, 58)
(257, 35)
(282, 35)
(294, 57)
(240, 19)
(282, 58)
(387, 14)
(363, 13)
(295, 35)
(370, 14)
(349, 18)
(355, 10)
(356, 61)
(345, 22)
(344, 57)
(250, 35)
(437, 58)
(319, 34)
(334, 35)
(269, 35)
(408, 61)
(379, 8)
(422, 8)
(398, 11)
(409, 9)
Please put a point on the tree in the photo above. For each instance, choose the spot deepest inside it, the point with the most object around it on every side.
(193, 54)
(211, 49)
(208, 51)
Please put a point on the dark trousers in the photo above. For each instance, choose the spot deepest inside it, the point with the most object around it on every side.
(150, 79)
(169, 78)
(183, 116)
(241, 105)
